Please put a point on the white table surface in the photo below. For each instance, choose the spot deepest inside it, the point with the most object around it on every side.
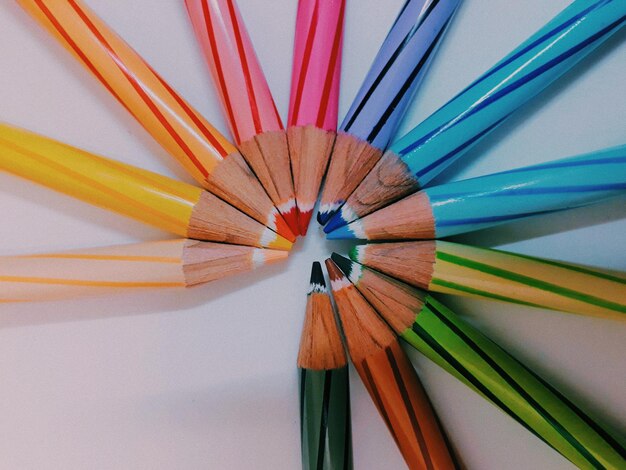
(206, 378)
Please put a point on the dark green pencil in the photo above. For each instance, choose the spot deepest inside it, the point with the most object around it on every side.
(325, 427)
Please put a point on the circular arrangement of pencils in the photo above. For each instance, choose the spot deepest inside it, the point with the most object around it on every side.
(357, 179)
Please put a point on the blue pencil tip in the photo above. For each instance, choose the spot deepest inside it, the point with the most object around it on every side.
(323, 217)
(334, 223)
(341, 233)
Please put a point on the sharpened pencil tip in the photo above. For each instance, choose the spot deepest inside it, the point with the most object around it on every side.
(282, 228)
(278, 243)
(324, 217)
(317, 276)
(335, 223)
(338, 280)
(289, 212)
(263, 256)
(334, 273)
(343, 263)
(355, 253)
(342, 233)
(272, 256)
(304, 218)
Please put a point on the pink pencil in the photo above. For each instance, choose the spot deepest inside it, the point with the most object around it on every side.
(246, 99)
(314, 97)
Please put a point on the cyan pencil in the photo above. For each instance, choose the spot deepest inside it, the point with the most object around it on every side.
(414, 160)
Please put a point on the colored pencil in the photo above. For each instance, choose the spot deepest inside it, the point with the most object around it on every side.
(94, 271)
(246, 99)
(390, 379)
(460, 349)
(314, 101)
(206, 154)
(381, 102)
(174, 206)
(415, 159)
(477, 203)
(325, 427)
(458, 269)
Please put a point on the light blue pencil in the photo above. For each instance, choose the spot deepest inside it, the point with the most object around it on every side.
(415, 159)
(477, 203)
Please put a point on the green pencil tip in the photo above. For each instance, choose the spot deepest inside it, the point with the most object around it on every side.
(354, 253)
(317, 277)
(344, 263)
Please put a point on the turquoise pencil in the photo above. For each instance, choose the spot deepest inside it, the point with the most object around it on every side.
(477, 203)
(414, 160)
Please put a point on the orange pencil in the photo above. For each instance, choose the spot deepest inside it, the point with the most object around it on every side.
(206, 154)
(390, 378)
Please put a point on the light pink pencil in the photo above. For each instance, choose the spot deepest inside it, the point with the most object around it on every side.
(314, 97)
(246, 99)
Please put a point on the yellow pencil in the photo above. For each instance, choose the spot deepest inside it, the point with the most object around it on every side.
(171, 205)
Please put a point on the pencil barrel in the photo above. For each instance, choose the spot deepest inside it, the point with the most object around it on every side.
(477, 203)
(244, 93)
(402, 402)
(148, 197)
(246, 99)
(397, 70)
(171, 121)
(92, 271)
(499, 275)
(325, 426)
(536, 63)
(481, 364)
(316, 69)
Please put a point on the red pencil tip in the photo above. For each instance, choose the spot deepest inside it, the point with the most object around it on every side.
(291, 219)
(304, 218)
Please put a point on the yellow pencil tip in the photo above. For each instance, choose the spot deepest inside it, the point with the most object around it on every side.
(280, 243)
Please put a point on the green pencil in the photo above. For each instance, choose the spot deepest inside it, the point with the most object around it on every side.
(470, 356)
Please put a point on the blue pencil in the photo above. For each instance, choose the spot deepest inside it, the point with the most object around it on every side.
(477, 203)
(415, 159)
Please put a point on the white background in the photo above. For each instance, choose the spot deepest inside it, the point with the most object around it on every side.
(207, 378)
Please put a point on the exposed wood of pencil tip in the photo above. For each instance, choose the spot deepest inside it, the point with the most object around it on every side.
(321, 347)
(388, 181)
(309, 148)
(205, 261)
(366, 333)
(373, 347)
(350, 161)
(396, 302)
(215, 220)
(408, 218)
(411, 262)
(233, 181)
(268, 156)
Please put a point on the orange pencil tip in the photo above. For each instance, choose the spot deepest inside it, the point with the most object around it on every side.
(272, 256)
(282, 228)
(290, 215)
